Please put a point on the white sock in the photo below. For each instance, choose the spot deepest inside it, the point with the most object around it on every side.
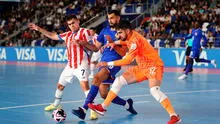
(86, 93)
(58, 97)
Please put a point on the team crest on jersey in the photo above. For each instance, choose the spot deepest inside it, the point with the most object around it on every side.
(196, 33)
(133, 46)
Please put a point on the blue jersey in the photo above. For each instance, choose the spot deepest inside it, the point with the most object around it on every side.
(107, 54)
(197, 35)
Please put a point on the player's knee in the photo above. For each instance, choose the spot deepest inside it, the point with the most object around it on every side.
(60, 86)
(157, 94)
(96, 80)
(118, 83)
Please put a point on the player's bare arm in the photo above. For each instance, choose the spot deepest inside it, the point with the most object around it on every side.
(89, 46)
(51, 35)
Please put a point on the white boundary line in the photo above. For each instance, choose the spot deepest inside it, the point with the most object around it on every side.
(133, 96)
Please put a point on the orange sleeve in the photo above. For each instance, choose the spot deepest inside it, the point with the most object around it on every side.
(120, 42)
(129, 57)
(125, 61)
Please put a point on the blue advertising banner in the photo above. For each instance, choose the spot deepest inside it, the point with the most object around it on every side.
(176, 57)
(172, 57)
(33, 54)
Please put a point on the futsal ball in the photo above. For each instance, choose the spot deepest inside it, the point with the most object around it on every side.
(59, 115)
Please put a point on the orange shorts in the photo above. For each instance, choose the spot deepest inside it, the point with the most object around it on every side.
(141, 74)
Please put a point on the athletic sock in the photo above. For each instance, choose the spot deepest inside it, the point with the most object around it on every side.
(119, 101)
(168, 106)
(109, 98)
(91, 96)
(58, 97)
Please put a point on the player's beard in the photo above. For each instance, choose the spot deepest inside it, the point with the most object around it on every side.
(113, 25)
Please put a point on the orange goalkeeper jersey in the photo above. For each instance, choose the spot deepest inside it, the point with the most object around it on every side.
(141, 50)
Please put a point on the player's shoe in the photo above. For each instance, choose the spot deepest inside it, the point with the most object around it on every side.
(97, 108)
(52, 107)
(175, 119)
(131, 108)
(182, 77)
(213, 62)
(79, 113)
(93, 115)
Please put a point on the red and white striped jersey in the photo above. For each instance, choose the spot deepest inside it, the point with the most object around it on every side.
(94, 38)
(76, 53)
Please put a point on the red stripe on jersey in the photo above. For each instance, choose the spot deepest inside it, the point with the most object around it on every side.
(81, 37)
(68, 48)
(75, 55)
(81, 54)
(63, 35)
(70, 51)
(81, 34)
(88, 32)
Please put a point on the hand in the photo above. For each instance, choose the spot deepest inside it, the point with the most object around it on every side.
(81, 42)
(109, 45)
(33, 26)
(109, 39)
(101, 64)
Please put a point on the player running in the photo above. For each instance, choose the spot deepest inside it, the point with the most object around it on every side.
(106, 75)
(78, 58)
(149, 67)
(197, 35)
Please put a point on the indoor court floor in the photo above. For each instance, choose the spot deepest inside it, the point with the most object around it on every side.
(26, 88)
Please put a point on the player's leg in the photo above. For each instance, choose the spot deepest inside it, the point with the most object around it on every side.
(213, 62)
(82, 74)
(102, 74)
(155, 79)
(130, 76)
(128, 104)
(193, 55)
(197, 59)
(187, 54)
(65, 77)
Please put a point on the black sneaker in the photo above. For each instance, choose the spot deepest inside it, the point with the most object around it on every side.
(79, 113)
(131, 108)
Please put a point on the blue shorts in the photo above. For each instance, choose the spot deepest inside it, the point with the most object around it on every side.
(113, 71)
(195, 54)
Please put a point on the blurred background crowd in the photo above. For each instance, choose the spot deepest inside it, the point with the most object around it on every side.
(164, 22)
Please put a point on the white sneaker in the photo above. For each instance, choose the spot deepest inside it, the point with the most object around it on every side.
(213, 62)
(182, 77)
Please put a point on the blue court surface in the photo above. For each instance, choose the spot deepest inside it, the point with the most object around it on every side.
(25, 89)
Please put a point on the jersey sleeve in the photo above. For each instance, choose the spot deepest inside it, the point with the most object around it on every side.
(87, 36)
(129, 57)
(63, 36)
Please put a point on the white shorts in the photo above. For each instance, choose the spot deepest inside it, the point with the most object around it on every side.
(96, 56)
(69, 74)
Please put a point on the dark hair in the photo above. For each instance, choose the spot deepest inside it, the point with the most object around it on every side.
(124, 24)
(116, 12)
(69, 17)
(93, 28)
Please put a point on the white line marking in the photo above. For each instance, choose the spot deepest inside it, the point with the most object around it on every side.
(133, 96)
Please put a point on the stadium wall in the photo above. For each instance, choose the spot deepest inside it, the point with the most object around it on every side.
(172, 57)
